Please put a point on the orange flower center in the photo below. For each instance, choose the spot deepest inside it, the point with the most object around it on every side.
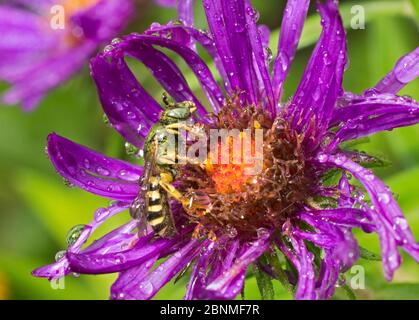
(72, 6)
(233, 176)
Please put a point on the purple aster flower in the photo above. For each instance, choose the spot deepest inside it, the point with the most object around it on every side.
(289, 221)
(51, 40)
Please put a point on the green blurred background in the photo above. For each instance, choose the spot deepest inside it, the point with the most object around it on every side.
(37, 208)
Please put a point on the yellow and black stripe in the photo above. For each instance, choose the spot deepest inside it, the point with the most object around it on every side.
(156, 217)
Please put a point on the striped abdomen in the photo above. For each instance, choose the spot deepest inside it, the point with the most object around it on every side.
(156, 207)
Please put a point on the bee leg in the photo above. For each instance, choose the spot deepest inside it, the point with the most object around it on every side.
(166, 183)
(212, 236)
(197, 231)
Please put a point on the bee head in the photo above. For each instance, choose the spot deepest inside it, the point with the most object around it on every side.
(178, 112)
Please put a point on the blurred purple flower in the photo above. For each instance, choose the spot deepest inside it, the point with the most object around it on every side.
(44, 42)
(312, 125)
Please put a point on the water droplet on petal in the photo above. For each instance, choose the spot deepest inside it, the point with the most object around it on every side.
(116, 41)
(100, 213)
(384, 198)
(369, 177)
(59, 255)
(402, 223)
(108, 48)
(131, 149)
(68, 184)
(74, 233)
(262, 232)
(322, 158)
(231, 231)
(106, 120)
(102, 171)
(146, 287)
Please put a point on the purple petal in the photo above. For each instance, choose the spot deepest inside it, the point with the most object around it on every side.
(214, 12)
(354, 107)
(391, 225)
(56, 270)
(223, 259)
(24, 31)
(92, 171)
(114, 240)
(341, 240)
(129, 279)
(291, 29)
(405, 71)
(321, 84)
(193, 60)
(199, 273)
(104, 20)
(150, 284)
(49, 73)
(240, 47)
(348, 217)
(186, 35)
(130, 109)
(165, 71)
(302, 260)
(265, 34)
(186, 12)
(363, 127)
(328, 276)
(223, 283)
(345, 189)
(93, 263)
(259, 57)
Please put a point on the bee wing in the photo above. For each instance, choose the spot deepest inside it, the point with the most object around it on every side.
(168, 217)
(138, 207)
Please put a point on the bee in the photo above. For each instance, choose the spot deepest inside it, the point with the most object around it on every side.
(151, 206)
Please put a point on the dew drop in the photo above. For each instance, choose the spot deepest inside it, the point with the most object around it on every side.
(231, 231)
(268, 54)
(131, 149)
(106, 121)
(369, 177)
(86, 163)
(402, 223)
(100, 213)
(108, 48)
(322, 158)
(384, 198)
(59, 255)
(68, 184)
(74, 233)
(262, 232)
(146, 287)
(116, 41)
(102, 171)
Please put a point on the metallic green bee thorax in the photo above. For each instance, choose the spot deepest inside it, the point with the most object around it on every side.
(177, 112)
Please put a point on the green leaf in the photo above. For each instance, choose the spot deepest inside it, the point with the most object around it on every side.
(395, 291)
(57, 206)
(264, 283)
(275, 263)
(368, 255)
(415, 6)
(369, 160)
(349, 145)
(349, 292)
